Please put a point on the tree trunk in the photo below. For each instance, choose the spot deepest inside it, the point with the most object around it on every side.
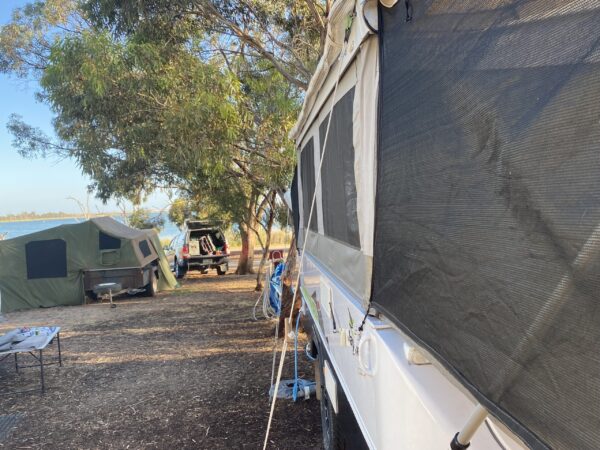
(289, 278)
(267, 247)
(246, 262)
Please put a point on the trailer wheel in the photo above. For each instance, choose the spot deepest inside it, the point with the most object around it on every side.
(222, 270)
(152, 286)
(329, 423)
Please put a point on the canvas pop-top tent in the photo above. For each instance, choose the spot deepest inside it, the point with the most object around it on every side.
(459, 196)
(47, 268)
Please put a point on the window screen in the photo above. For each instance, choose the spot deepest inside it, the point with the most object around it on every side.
(307, 161)
(46, 259)
(488, 204)
(340, 219)
(106, 242)
(145, 248)
(295, 203)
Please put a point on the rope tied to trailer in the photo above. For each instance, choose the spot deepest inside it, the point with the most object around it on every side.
(364, 319)
(297, 387)
(295, 390)
(310, 215)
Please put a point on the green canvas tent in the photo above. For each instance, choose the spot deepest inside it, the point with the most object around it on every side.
(56, 266)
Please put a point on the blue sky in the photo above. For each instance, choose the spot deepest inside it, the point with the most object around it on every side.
(38, 185)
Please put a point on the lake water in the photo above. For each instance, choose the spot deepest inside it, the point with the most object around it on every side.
(15, 229)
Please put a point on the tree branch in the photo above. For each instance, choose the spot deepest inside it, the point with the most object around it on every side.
(254, 43)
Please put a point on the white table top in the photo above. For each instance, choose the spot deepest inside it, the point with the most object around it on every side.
(48, 333)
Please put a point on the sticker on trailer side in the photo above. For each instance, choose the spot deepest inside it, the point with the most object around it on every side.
(330, 386)
(326, 298)
(310, 302)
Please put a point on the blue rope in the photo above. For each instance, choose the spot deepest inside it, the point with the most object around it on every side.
(295, 390)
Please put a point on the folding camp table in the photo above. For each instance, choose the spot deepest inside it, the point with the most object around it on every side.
(39, 339)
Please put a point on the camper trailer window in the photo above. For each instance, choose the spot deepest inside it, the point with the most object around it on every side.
(46, 259)
(145, 248)
(307, 167)
(340, 220)
(295, 205)
(106, 242)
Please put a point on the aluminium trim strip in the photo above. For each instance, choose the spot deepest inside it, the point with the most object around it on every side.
(334, 364)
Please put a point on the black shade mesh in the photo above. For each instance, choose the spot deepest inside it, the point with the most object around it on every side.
(46, 259)
(307, 171)
(487, 241)
(145, 248)
(295, 204)
(107, 242)
(340, 220)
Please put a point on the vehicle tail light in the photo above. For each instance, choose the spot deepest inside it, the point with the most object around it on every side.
(226, 248)
(185, 251)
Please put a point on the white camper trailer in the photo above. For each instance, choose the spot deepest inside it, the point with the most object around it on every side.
(446, 201)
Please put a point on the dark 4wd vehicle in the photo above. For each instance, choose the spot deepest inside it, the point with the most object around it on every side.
(199, 246)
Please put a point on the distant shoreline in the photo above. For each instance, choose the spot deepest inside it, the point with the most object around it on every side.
(58, 217)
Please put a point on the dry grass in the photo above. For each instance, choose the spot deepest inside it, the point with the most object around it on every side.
(190, 370)
(279, 238)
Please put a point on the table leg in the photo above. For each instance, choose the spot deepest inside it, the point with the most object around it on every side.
(59, 353)
(42, 371)
(16, 363)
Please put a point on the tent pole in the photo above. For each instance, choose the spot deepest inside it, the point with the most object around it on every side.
(462, 439)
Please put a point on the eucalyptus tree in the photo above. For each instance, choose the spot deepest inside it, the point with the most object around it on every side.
(27, 40)
(193, 95)
(135, 116)
(274, 43)
(287, 34)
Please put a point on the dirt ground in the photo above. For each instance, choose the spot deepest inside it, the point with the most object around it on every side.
(189, 369)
